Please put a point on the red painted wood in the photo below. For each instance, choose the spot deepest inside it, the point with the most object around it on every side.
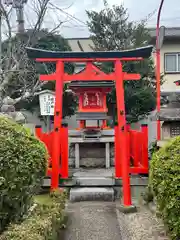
(57, 126)
(49, 172)
(122, 136)
(128, 142)
(144, 159)
(136, 148)
(92, 99)
(82, 124)
(93, 77)
(47, 77)
(104, 124)
(117, 156)
(47, 139)
(64, 152)
(86, 76)
(92, 105)
(131, 76)
(38, 132)
(125, 140)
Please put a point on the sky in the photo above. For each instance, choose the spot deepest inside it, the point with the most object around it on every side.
(73, 14)
(138, 9)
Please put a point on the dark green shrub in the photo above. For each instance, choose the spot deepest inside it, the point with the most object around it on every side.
(45, 223)
(23, 161)
(165, 183)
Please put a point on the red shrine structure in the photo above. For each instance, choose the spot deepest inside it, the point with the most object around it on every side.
(131, 147)
(92, 101)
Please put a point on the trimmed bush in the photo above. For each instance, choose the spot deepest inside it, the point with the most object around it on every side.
(165, 183)
(45, 223)
(23, 161)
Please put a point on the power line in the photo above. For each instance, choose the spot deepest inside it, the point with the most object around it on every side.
(68, 14)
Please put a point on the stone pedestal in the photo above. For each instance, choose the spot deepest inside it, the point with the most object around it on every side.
(91, 153)
(126, 209)
(169, 115)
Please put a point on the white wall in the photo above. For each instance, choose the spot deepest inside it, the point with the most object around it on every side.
(171, 77)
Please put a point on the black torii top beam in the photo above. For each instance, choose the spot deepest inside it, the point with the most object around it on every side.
(143, 52)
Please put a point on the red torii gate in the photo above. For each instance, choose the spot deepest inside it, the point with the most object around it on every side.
(91, 72)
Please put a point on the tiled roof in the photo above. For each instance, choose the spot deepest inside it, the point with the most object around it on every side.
(171, 114)
(166, 114)
(86, 44)
(169, 32)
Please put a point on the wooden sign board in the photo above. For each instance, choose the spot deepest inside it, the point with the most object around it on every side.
(47, 103)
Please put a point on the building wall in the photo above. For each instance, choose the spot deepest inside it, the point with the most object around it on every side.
(171, 77)
(168, 47)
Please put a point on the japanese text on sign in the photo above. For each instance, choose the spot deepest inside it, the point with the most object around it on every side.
(47, 102)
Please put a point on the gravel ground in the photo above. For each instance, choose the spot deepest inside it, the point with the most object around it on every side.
(92, 221)
(142, 225)
(103, 221)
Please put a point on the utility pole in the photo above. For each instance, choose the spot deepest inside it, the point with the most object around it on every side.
(19, 6)
(159, 40)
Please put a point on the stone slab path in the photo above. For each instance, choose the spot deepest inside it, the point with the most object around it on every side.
(92, 221)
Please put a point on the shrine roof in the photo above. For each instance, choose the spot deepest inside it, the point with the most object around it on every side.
(144, 52)
(91, 84)
(168, 114)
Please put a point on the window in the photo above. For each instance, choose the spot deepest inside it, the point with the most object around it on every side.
(172, 62)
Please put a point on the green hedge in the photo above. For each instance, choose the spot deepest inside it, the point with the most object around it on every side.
(165, 183)
(23, 162)
(45, 222)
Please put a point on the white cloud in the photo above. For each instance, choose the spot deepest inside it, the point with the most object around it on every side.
(138, 9)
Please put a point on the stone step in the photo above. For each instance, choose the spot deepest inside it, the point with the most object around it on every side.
(94, 181)
(91, 194)
(94, 172)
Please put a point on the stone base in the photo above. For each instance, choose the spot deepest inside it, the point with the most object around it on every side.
(91, 194)
(126, 209)
(95, 181)
(92, 162)
(91, 154)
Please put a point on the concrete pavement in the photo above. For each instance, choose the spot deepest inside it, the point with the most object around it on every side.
(92, 221)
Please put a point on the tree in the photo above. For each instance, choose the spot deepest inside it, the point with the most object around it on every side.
(27, 80)
(111, 29)
(19, 77)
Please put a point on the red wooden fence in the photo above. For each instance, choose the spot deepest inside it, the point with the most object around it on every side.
(48, 140)
(137, 150)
